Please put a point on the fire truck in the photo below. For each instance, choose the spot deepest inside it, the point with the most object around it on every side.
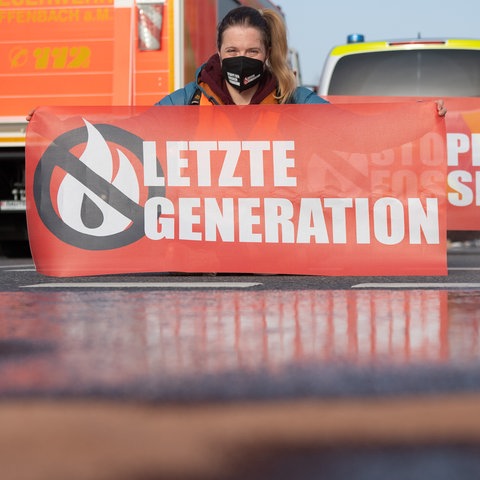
(91, 52)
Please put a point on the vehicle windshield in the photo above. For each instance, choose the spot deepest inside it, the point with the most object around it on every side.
(426, 72)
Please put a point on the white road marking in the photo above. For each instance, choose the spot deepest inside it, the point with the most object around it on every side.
(7, 267)
(146, 285)
(464, 268)
(418, 285)
(21, 270)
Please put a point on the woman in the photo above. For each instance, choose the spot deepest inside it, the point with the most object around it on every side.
(250, 66)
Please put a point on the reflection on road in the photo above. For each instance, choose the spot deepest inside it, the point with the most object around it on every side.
(116, 337)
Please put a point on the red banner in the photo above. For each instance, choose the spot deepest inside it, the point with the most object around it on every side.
(463, 157)
(352, 189)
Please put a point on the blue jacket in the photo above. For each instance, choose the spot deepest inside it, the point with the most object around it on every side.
(183, 96)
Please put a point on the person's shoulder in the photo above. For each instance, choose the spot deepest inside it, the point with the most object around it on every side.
(182, 96)
(305, 95)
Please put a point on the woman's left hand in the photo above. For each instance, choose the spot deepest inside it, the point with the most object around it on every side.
(441, 109)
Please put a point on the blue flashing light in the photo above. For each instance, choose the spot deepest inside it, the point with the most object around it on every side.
(355, 38)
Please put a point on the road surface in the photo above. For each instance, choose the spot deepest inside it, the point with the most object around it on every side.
(240, 376)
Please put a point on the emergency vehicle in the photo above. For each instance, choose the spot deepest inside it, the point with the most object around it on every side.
(416, 67)
(91, 52)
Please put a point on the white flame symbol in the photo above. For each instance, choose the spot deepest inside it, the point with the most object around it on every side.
(73, 195)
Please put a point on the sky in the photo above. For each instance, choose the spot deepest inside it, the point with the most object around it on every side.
(315, 26)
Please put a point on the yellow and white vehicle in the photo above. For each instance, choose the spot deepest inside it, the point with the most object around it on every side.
(417, 67)
(446, 69)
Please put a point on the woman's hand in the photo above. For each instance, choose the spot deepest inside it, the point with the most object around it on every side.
(30, 115)
(441, 109)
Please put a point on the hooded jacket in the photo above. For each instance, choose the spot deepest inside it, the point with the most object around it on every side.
(210, 87)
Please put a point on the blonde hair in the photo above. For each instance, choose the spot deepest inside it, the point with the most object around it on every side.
(274, 33)
(278, 58)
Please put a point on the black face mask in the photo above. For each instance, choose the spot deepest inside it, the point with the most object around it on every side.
(241, 72)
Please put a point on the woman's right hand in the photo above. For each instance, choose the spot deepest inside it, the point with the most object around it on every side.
(30, 115)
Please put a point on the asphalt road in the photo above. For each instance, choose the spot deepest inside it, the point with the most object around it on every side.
(463, 273)
(119, 335)
(226, 377)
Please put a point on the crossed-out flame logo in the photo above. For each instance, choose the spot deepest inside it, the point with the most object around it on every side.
(94, 200)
